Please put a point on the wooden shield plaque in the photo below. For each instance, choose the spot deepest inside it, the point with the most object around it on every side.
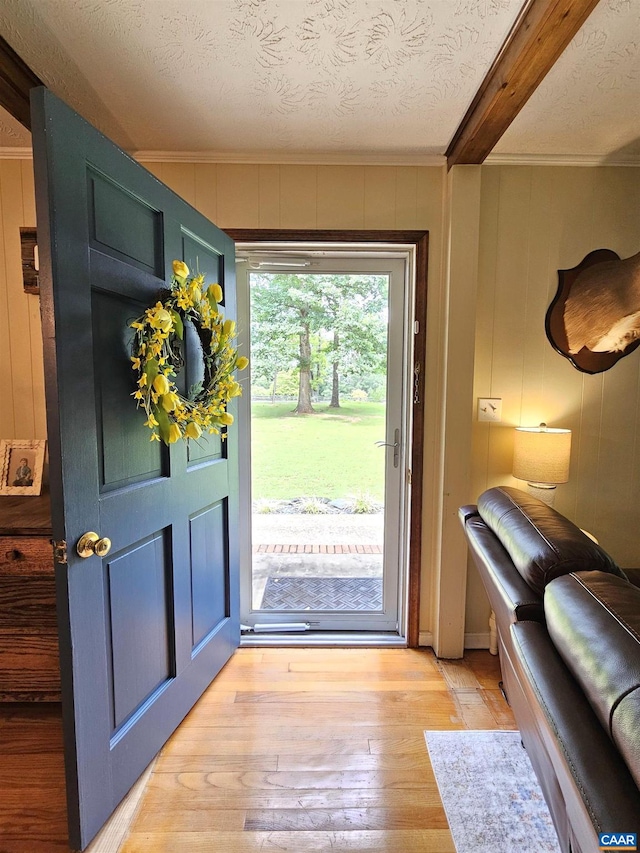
(594, 318)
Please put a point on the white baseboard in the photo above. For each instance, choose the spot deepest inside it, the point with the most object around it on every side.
(425, 638)
(477, 641)
(471, 641)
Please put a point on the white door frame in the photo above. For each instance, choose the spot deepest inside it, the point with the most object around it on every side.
(398, 266)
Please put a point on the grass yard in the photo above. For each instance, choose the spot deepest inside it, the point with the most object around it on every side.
(327, 455)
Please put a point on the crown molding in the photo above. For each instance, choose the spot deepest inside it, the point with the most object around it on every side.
(283, 158)
(562, 160)
(26, 153)
(15, 153)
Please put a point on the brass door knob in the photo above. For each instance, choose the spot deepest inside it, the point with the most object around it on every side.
(90, 544)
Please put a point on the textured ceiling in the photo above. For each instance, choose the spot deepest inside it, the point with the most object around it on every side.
(326, 76)
(373, 79)
(589, 103)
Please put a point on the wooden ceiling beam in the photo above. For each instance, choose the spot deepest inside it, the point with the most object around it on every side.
(539, 35)
(16, 81)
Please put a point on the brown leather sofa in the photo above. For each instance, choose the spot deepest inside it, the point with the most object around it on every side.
(568, 622)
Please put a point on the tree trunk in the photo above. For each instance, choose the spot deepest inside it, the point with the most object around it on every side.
(273, 387)
(304, 406)
(335, 386)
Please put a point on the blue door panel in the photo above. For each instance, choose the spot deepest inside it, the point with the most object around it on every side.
(144, 630)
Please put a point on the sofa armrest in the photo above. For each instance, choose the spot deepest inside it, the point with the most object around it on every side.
(511, 598)
(466, 512)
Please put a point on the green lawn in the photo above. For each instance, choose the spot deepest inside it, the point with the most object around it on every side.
(327, 455)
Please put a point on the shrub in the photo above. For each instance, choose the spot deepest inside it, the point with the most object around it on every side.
(363, 503)
(313, 506)
(265, 507)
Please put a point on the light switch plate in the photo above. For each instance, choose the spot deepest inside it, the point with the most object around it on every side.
(490, 409)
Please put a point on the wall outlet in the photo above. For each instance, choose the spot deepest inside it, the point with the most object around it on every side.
(490, 409)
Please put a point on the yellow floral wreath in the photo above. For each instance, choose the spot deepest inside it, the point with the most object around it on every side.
(157, 356)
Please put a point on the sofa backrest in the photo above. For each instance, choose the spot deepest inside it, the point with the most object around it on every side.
(593, 620)
(542, 544)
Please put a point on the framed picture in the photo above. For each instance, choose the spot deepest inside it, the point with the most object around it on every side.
(21, 465)
(30, 261)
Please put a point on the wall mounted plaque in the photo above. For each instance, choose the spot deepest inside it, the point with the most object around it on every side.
(594, 318)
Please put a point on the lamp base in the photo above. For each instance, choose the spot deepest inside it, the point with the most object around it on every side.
(543, 493)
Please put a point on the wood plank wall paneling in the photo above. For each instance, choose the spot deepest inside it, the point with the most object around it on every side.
(22, 413)
(534, 221)
(299, 196)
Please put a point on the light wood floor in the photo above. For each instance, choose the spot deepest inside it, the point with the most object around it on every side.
(299, 750)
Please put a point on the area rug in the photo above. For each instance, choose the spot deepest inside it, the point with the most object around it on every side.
(490, 793)
(296, 593)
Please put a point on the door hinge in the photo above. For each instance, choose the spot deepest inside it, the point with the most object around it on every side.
(60, 551)
(409, 476)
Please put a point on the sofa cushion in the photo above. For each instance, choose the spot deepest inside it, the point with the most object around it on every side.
(542, 543)
(593, 619)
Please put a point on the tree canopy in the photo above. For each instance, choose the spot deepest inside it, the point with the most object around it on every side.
(326, 327)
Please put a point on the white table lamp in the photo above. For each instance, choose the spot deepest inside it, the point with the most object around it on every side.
(541, 458)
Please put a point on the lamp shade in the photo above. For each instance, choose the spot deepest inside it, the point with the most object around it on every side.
(541, 455)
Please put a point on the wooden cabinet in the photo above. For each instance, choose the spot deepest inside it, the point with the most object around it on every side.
(29, 668)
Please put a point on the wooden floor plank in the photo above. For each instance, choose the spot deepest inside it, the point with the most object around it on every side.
(269, 729)
(337, 820)
(474, 711)
(291, 780)
(271, 763)
(486, 668)
(157, 801)
(202, 746)
(359, 841)
(438, 712)
(500, 710)
(174, 763)
(368, 695)
(458, 674)
(317, 684)
(407, 746)
(381, 760)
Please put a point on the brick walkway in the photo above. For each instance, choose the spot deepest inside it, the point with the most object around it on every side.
(317, 549)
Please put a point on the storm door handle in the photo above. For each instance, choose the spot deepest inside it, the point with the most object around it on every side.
(395, 445)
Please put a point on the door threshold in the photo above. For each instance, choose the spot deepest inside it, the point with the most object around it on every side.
(324, 639)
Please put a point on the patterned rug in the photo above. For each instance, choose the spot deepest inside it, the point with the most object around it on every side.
(294, 593)
(490, 793)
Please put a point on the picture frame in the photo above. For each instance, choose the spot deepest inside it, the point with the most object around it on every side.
(21, 466)
(30, 260)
